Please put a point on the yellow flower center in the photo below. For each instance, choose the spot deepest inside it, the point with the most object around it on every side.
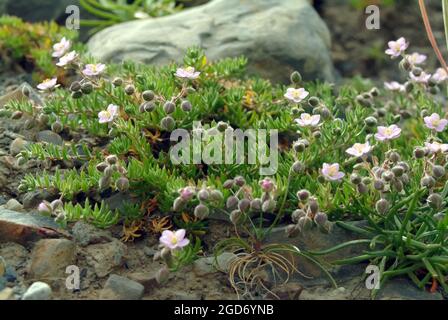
(306, 117)
(332, 171)
(190, 69)
(174, 240)
(388, 131)
(296, 93)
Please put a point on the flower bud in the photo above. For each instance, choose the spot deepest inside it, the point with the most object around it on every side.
(419, 152)
(149, 106)
(101, 166)
(169, 107)
(398, 185)
(267, 185)
(45, 208)
(235, 216)
(216, 196)
(268, 206)
(296, 111)
(428, 182)
(232, 202)
(398, 171)
(355, 179)
(297, 167)
(57, 127)
(186, 106)
(129, 89)
(26, 91)
(366, 180)
(408, 87)
(362, 188)
(321, 218)
(292, 231)
(239, 181)
(43, 119)
(296, 77)
(405, 179)
(21, 161)
(104, 183)
(378, 185)
(388, 176)
(303, 195)
(166, 256)
(168, 123)
(244, 205)
(222, 126)
(178, 204)
(375, 92)
(299, 146)
(416, 71)
(305, 223)
(405, 65)
(371, 121)
(435, 201)
(112, 159)
(148, 95)
(313, 101)
(297, 214)
(76, 94)
(203, 195)
(394, 156)
(382, 206)
(314, 206)
(117, 82)
(162, 275)
(122, 184)
(228, 184)
(438, 171)
(201, 211)
(87, 88)
(75, 86)
(255, 205)
(17, 115)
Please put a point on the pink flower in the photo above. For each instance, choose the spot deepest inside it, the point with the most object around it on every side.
(440, 75)
(422, 78)
(187, 73)
(394, 86)
(296, 95)
(67, 59)
(60, 48)
(331, 172)
(436, 147)
(307, 120)
(44, 207)
(174, 240)
(388, 133)
(48, 84)
(267, 185)
(108, 115)
(187, 193)
(91, 70)
(416, 58)
(397, 48)
(359, 149)
(434, 122)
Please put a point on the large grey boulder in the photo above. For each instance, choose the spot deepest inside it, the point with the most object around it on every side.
(277, 36)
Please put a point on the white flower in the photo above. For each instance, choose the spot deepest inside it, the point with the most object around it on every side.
(296, 95)
(440, 75)
(187, 73)
(48, 84)
(108, 115)
(394, 86)
(436, 147)
(416, 58)
(397, 48)
(434, 122)
(141, 15)
(94, 69)
(67, 59)
(331, 172)
(307, 120)
(60, 48)
(174, 240)
(359, 149)
(422, 78)
(388, 133)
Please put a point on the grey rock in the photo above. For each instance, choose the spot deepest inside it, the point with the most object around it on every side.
(24, 227)
(33, 198)
(14, 254)
(146, 279)
(403, 289)
(277, 36)
(49, 136)
(17, 145)
(105, 258)
(50, 258)
(209, 265)
(6, 294)
(287, 291)
(121, 288)
(38, 291)
(14, 205)
(85, 234)
(17, 94)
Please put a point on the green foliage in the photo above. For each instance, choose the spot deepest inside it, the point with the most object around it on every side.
(98, 215)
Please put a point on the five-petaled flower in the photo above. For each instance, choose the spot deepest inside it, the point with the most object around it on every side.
(331, 172)
(296, 95)
(174, 240)
(416, 58)
(422, 78)
(60, 48)
(436, 147)
(91, 70)
(48, 84)
(67, 59)
(388, 133)
(187, 73)
(108, 115)
(434, 122)
(397, 48)
(440, 75)
(394, 86)
(307, 120)
(359, 149)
